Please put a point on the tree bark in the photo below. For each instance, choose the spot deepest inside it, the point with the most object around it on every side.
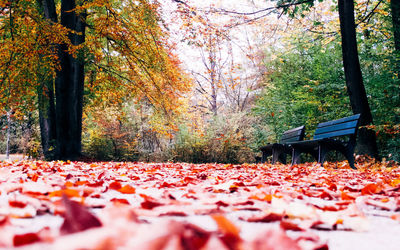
(395, 7)
(60, 109)
(69, 86)
(354, 81)
(8, 134)
(47, 112)
(47, 118)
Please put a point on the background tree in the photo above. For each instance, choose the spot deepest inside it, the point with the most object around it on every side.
(145, 67)
(353, 76)
(395, 11)
(354, 81)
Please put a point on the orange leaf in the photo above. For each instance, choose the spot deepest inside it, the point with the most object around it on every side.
(127, 189)
(35, 177)
(347, 197)
(115, 185)
(371, 188)
(395, 217)
(67, 192)
(225, 225)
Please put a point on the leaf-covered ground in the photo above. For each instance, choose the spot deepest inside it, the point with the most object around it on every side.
(75, 205)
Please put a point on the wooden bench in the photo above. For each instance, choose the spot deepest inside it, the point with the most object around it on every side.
(279, 150)
(339, 135)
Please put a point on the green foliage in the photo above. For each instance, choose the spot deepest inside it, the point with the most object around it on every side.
(378, 63)
(109, 135)
(305, 84)
(303, 87)
(223, 140)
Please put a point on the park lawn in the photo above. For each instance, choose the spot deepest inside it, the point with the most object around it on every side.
(112, 205)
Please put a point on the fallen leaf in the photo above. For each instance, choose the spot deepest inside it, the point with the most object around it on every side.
(271, 217)
(77, 218)
(25, 239)
(287, 225)
(371, 188)
(127, 189)
(17, 204)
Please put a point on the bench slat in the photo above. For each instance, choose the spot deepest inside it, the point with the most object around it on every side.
(291, 135)
(337, 127)
(291, 139)
(342, 120)
(344, 132)
(296, 134)
(294, 129)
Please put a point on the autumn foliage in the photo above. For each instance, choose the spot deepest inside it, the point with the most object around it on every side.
(187, 206)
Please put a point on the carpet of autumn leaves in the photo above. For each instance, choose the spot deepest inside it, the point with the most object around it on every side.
(108, 205)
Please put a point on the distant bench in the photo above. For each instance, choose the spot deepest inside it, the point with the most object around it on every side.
(279, 150)
(339, 135)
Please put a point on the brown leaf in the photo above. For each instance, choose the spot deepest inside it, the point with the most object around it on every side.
(149, 204)
(221, 204)
(288, 225)
(77, 218)
(174, 213)
(193, 237)
(271, 217)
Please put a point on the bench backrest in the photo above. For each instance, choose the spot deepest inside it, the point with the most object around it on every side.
(341, 127)
(293, 135)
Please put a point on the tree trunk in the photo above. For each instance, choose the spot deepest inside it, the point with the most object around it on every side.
(69, 87)
(354, 81)
(47, 118)
(8, 134)
(395, 6)
(47, 112)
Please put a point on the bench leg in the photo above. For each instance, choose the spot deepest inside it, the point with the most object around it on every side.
(264, 157)
(275, 154)
(295, 156)
(278, 155)
(350, 157)
(322, 151)
(282, 158)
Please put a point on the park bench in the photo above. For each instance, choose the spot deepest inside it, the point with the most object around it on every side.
(279, 150)
(339, 135)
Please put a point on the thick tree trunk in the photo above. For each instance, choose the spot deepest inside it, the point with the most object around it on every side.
(395, 6)
(47, 118)
(47, 112)
(69, 87)
(354, 82)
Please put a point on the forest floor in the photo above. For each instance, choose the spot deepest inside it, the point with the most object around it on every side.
(111, 205)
